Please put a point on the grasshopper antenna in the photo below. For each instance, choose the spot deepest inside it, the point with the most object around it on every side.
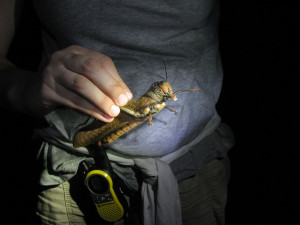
(158, 76)
(165, 69)
(191, 90)
(166, 78)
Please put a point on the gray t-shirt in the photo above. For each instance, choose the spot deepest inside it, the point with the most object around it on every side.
(140, 37)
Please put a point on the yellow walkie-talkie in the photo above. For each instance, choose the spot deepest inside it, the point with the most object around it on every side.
(103, 188)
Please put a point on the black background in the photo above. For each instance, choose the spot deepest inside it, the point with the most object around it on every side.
(260, 52)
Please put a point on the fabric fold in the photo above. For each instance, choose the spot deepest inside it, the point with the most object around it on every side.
(160, 194)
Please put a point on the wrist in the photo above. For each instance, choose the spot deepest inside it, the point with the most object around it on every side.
(12, 89)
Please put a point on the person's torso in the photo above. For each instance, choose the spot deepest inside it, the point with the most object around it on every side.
(177, 38)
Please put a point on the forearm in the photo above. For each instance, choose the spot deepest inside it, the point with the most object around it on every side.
(12, 79)
(12, 85)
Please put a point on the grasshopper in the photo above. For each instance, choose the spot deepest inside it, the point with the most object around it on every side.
(131, 115)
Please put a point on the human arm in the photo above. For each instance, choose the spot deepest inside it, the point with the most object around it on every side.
(75, 77)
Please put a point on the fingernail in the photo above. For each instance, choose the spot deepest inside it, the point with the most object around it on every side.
(129, 94)
(122, 99)
(107, 116)
(115, 110)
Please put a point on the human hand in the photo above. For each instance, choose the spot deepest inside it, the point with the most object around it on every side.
(81, 79)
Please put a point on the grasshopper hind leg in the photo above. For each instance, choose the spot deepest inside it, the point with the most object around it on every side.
(133, 113)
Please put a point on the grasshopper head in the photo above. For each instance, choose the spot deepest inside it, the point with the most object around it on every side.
(167, 89)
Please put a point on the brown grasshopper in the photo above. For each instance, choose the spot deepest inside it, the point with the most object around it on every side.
(131, 115)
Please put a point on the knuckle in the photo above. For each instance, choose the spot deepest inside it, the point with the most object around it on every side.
(79, 83)
(89, 66)
(105, 62)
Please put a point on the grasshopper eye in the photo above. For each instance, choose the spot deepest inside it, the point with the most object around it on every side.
(163, 86)
(170, 92)
(166, 87)
(170, 89)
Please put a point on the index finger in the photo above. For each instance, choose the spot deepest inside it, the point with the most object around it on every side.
(105, 64)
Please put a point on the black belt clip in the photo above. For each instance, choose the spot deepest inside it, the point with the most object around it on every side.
(102, 184)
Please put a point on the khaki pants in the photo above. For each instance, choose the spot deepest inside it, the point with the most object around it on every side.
(203, 199)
